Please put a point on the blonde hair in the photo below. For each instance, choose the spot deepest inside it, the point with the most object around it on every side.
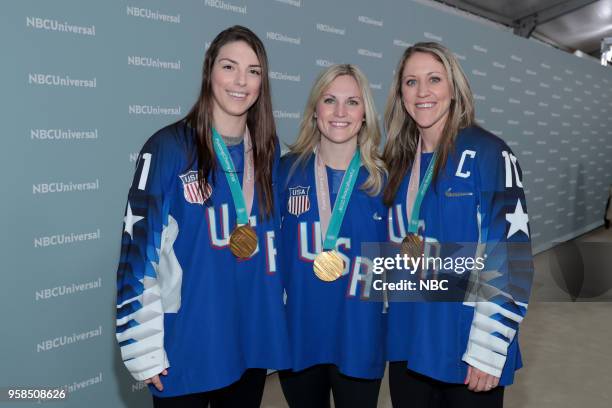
(368, 139)
(402, 130)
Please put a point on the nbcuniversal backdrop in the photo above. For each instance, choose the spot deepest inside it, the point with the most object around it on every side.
(85, 83)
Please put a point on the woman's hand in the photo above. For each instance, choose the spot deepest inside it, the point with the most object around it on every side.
(156, 381)
(477, 380)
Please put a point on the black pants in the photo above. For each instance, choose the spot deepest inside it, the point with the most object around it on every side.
(310, 388)
(413, 390)
(244, 393)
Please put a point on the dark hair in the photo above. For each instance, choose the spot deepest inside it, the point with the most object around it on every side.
(260, 119)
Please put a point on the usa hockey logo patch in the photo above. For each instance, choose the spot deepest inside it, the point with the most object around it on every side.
(298, 202)
(191, 190)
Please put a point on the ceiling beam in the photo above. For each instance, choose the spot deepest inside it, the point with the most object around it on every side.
(525, 25)
(470, 8)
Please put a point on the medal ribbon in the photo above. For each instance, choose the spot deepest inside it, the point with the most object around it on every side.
(331, 220)
(243, 197)
(416, 192)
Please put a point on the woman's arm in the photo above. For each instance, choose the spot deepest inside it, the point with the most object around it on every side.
(505, 282)
(140, 311)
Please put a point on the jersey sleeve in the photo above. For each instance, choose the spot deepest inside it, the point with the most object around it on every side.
(140, 311)
(504, 284)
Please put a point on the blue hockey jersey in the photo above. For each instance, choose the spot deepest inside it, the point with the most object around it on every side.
(477, 198)
(183, 300)
(331, 322)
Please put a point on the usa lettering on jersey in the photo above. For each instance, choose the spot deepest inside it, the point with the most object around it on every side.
(219, 234)
(359, 268)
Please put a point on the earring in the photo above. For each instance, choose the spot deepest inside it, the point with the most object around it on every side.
(315, 115)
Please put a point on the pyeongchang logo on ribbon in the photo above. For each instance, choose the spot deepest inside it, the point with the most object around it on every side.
(60, 80)
(219, 4)
(54, 25)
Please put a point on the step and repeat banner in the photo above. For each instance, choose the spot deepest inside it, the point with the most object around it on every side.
(85, 83)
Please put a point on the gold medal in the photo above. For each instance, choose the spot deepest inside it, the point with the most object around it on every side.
(243, 241)
(328, 266)
(412, 245)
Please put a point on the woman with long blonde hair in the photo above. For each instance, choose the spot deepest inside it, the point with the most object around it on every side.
(453, 184)
(331, 180)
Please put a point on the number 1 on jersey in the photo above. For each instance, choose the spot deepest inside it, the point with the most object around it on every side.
(144, 174)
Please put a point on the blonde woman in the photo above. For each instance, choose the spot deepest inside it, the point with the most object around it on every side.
(452, 182)
(332, 179)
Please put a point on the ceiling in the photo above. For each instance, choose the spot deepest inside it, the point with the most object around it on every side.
(566, 24)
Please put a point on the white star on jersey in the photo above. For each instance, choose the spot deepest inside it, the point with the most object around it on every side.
(130, 219)
(518, 220)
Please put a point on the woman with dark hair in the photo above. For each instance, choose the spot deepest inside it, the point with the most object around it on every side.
(330, 203)
(200, 314)
(453, 184)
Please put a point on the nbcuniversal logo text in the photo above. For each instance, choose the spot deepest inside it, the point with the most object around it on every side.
(280, 114)
(150, 62)
(60, 80)
(63, 134)
(75, 386)
(66, 238)
(330, 29)
(219, 4)
(321, 62)
(294, 3)
(401, 43)
(368, 53)
(283, 38)
(62, 341)
(285, 77)
(153, 110)
(370, 21)
(54, 25)
(152, 15)
(65, 187)
(64, 290)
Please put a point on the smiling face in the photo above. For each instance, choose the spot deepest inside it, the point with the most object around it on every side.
(235, 81)
(340, 111)
(426, 92)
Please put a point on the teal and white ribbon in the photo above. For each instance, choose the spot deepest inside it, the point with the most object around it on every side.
(242, 196)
